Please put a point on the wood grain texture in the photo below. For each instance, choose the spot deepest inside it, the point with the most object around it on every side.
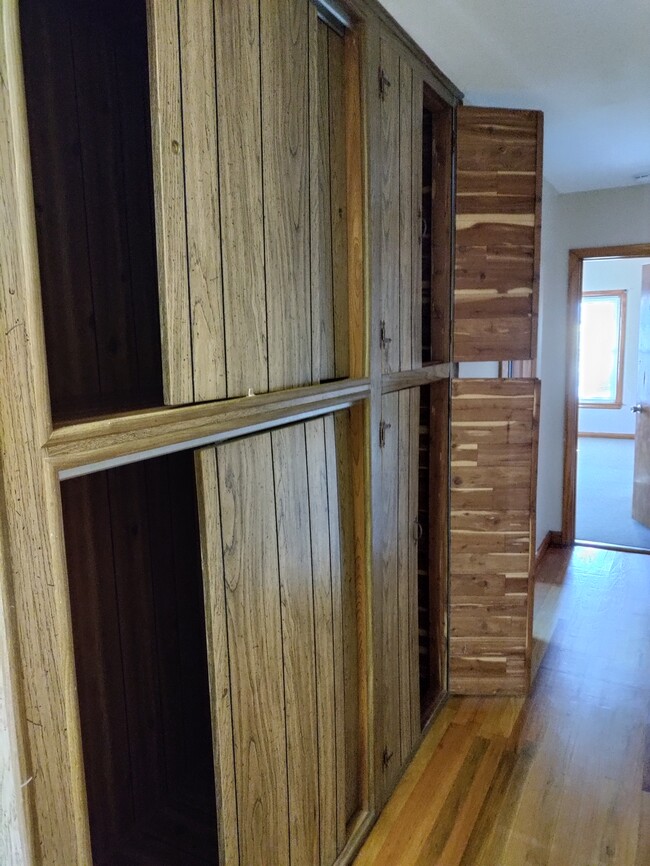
(285, 152)
(254, 622)
(207, 481)
(406, 214)
(240, 182)
(169, 189)
(298, 638)
(497, 234)
(277, 648)
(390, 207)
(201, 166)
(492, 546)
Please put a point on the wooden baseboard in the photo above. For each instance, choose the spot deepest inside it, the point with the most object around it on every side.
(551, 539)
(606, 435)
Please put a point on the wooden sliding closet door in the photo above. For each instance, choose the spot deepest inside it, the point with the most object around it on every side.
(257, 168)
(277, 585)
(400, 93)
(493, 485)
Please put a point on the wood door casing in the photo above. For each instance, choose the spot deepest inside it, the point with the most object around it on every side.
(494, 426)
(641, 487)
(498, 231)
(275, 584)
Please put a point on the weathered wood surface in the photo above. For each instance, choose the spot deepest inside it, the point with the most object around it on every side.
(494, 456)
(498, 213)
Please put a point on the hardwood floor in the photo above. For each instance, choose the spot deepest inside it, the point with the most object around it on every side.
(562, 778)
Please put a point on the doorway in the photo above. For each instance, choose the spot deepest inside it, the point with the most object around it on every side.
(604, 317)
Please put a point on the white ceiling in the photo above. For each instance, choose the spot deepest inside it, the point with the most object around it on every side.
(585, 63)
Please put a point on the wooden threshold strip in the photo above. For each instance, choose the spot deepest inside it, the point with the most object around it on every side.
(90, 446)
(414, 378)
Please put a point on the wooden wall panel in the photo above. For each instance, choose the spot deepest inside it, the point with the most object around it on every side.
(274, 576)
(398, 628)
(493, 471)
(252, 205)
(498, 214)
(401, 118)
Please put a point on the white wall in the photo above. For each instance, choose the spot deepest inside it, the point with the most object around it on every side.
(602, 275)
(589, 219)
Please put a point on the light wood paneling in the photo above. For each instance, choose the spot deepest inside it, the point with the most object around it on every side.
(169, 188)
(201, 166)
(498, 219)
(240, 178)
(396, 674)
(390, 206)
(285, 154)
(271, 504)
(493, 471)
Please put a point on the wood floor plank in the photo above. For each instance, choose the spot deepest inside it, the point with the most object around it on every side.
(555, 779)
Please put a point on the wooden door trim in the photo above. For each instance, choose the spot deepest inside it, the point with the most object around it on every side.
(576, 260)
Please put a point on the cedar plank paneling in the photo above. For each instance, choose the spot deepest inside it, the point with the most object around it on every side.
(492, 527)
(498, 208)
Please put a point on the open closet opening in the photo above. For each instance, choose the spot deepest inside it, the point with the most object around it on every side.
(136, 596)
(87, 92)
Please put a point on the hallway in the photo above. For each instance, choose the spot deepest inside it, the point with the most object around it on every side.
(563, 778)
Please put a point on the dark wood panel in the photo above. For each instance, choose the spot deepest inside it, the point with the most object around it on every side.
(492, 533)
(91, 167)
(139, 636)
(498, 207)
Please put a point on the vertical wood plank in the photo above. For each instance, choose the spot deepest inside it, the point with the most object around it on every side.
(197, 56)
(322, 363)
(218, 653)
(389, 744)
(252, 581)
(325, 635)
(240, 182)
(285, 148)
(339, 201)
(405, 214)
(357, 206)
(335, 491)
(298, 640)
(390, 208)
(413, 669)
(349, 615)
(404, 560)
(169, 191)
(416, 204)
